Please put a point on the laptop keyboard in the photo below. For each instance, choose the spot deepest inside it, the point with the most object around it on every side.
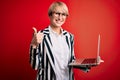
(89, 61)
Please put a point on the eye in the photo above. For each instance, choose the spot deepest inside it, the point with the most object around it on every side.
(63, 14)
(57, 13)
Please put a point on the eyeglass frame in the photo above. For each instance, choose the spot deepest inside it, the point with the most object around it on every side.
(58, 14)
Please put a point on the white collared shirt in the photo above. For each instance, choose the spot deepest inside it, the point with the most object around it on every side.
(60, 54)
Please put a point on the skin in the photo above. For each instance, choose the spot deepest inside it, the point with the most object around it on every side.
(56, 21)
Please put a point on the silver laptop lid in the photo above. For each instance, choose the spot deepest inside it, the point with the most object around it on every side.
(98, 50)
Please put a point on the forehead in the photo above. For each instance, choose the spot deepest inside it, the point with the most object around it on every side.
(59, 9)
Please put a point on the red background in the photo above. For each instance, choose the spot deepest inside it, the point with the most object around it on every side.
(87, 19)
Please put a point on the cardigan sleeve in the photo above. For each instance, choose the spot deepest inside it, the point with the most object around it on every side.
(35, 56)
(72, 48)
(86, 68)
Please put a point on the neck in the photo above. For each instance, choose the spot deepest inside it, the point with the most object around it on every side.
(56, 29)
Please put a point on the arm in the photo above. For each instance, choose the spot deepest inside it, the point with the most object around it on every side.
(83, 68)
(34, 57)
(72, 43)
(36, 49)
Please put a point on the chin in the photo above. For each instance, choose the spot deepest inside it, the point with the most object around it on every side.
(59, 25)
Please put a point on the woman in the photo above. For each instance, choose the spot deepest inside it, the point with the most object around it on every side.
(52, 49)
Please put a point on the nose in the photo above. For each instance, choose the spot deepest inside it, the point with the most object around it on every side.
(60, 16)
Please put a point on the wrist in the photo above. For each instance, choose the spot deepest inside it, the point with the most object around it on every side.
(34, 46)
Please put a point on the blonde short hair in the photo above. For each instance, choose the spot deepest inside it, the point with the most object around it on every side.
(56, 4)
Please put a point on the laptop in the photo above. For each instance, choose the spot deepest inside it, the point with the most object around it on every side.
(88, 61)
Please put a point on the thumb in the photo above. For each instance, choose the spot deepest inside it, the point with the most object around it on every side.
(35, 30)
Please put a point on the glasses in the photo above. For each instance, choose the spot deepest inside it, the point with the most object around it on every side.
(58, 14)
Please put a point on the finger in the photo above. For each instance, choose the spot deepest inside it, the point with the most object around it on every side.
(35, 30)
(101, 60)
(40, 34)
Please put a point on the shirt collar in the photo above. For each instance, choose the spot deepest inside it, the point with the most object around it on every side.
(53, 32)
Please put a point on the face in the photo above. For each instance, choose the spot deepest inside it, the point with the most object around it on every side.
(58, 17)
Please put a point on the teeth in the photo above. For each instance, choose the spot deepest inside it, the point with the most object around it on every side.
(58, 21)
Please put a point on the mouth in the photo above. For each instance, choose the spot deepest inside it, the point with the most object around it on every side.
(58, 21)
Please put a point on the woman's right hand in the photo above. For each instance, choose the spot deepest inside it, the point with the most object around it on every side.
(37, 38)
